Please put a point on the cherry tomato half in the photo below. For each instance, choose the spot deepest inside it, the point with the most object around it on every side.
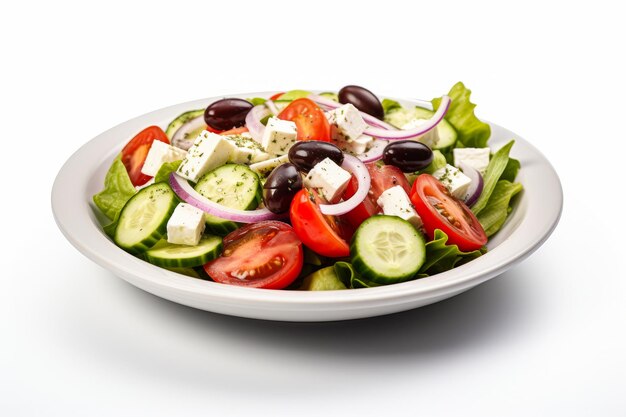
(266, 254)
(311, 123)
(318, 232)
(136, 150)
(440, 210)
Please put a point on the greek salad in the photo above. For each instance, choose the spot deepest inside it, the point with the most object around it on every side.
(307, 191)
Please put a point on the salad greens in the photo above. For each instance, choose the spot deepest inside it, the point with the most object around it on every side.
(118, 189)
(496, 167)
(441, 256)
(497, 209)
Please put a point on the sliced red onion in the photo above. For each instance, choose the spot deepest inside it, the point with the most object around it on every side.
(476, 187)
(411, 133)
(253, 121)
(272, 107)
(329, 104)
(359, 170)
(185, 191)
(375, 152)
(182, 137)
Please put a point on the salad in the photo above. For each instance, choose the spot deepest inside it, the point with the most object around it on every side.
(305, 191)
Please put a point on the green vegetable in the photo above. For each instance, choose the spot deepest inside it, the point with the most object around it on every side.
(511, 170)
(494, 214)
(163, 174)
(171, 255)
(389, 105)
(257, 100)
(346, 273)
(496, 167)
(324, 279)
(118, 189)
(294, 94)
(179, 121)
(439, 161)
(441, 257)
(333, 96)
(472, 133)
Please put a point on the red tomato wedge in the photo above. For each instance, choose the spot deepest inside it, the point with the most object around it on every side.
(311, 123)
(135, 152)
(276, 96)
(234, 131)
(266, 254)
(318, 232)
(363, 211)
(440, 210)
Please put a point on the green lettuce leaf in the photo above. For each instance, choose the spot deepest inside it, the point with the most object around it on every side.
(257, 100)
(163, 174)
(442, 257)
(472, 133)
(493, 216)
(390, 105)
(511, 170)
(496, 167)
(117, 190)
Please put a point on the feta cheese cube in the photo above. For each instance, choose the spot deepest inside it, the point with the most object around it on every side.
(395, 202)
(455, 181)
(429, 138)
(264, 168)
(208, 152)
(279, 135)
(160, 153)
(357, 146)
(245, 150)
(346, 123)
(329, 178)
(477, 158)
(186, 225)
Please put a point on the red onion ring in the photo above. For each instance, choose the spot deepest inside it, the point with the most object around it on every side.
(185, 191)
(359, 170)
(182, 139)
(253, 121)
(411, 133)
(476, 187)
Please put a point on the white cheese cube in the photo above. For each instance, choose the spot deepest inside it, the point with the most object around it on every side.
(329, 178)
(160, 153)
(245, 150)
(266, 167)
(395, 202)
(477, 158)
(208, 152)
(186, 225)
(429, 138)
(346, 123)
(357, 146)
(279, 135)
(455, 181)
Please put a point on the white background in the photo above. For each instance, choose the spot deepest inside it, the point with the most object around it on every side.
(545, 338)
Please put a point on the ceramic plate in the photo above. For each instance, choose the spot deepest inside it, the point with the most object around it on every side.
(535, 215)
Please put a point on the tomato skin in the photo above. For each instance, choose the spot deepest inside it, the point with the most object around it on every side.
(383, 178)
(363, 211)
(136, 150)
(466, 232)
(234, 131)
(312, 228)
(311, 123)
(276, 96)
(269, 248)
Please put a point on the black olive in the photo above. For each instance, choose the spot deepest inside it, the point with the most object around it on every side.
(280, 188)
(408, 155)
(306, 154)
(363, 99)
(227, 113)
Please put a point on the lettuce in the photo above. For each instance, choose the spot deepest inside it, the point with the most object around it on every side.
(390, 105)
(294, 94)
(163, 174)
(493, 216)
(442, 257)
(496, 167)
(257, 101)
(118, 189)
(472, 133)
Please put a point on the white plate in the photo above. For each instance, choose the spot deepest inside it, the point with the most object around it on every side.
(535, 216)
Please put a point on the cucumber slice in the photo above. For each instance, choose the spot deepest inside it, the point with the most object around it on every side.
(231, 185)
(181, 120)
(170, 255)
(387, 249)
(143, 220)
(401, 116)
